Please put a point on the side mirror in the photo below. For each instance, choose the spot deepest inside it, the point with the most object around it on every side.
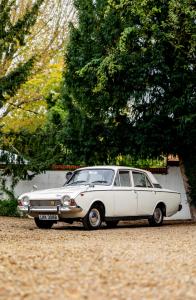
(35, 188)
(68, 175)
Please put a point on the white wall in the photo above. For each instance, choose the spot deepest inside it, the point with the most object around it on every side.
(49, 179)
(173, 180)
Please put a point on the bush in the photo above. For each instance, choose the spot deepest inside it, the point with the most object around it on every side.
(9, 208)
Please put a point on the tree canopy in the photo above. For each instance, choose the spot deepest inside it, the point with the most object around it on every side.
(23, 116)
(45, 44)
(128, 84)
(130, 77)
(13, 34)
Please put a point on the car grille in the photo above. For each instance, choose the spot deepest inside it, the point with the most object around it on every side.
(45, 202)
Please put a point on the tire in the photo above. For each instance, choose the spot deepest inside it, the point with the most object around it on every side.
(157, 217)
(94, 218)
(111, 224)
(43, 224)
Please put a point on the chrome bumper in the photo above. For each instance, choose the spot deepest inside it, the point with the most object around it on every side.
(56, 209)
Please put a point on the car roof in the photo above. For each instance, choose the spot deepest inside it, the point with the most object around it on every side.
(115, 168)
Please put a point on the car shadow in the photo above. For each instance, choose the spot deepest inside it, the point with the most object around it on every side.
(122, 225)
(79, 227)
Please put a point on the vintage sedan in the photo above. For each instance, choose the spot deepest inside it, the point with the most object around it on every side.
(99, 194)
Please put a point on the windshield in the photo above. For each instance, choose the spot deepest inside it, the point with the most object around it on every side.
(92, 176)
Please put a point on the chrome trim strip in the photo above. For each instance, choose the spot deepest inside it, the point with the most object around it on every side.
(127, 218)
(57, 209)
(134, 190)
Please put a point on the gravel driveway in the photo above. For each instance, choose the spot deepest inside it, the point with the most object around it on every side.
(133, 261)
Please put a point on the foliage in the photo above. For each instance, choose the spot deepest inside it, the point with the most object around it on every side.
(45, 42)
(190, 163)
(31, 152)
(31, 113)
(129, 79)
(128, 88)
(13, 36)
(14, 70)
(9, 208)
(127, 160)
(30, 148)
(15, 168)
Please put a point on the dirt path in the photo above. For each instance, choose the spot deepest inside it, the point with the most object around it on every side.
(132, 262)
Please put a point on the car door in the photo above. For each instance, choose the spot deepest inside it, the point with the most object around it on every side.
(125, 198)
(145, 193)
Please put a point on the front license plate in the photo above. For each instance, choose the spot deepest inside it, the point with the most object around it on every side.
(49, 217)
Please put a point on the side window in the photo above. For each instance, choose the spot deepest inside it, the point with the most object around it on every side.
(141, 180)
(124, 177)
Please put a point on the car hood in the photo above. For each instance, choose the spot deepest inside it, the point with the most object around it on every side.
(56, 193)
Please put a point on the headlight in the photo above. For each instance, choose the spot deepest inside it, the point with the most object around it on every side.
(66, 200)
(25, 201)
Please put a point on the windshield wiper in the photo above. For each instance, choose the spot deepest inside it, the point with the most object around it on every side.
(76, 182)
(99, 181)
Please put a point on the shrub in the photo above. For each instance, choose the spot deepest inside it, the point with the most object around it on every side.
(9, 208)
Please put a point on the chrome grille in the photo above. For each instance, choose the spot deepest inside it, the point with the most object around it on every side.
(45, 202)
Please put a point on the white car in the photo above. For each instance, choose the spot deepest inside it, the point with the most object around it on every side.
(99, 194)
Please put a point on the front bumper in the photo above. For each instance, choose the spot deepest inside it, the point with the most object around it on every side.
(63, 212)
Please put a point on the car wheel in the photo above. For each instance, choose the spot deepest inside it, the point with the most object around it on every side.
(111, 224)
(93, 218)
(43, 224)
(157, 217)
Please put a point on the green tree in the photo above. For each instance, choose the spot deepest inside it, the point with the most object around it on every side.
(45, 41)
(30, 105)
(14, 71)
(96, 114)
(129, 79)
(13, 34)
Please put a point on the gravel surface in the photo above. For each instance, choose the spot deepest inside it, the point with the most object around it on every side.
(133, 261)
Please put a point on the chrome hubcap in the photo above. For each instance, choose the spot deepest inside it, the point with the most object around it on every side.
(94, 217)
(157, 215)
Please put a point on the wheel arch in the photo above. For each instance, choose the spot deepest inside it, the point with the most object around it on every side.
(99, 203)
(162, 205)
(99, 217)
